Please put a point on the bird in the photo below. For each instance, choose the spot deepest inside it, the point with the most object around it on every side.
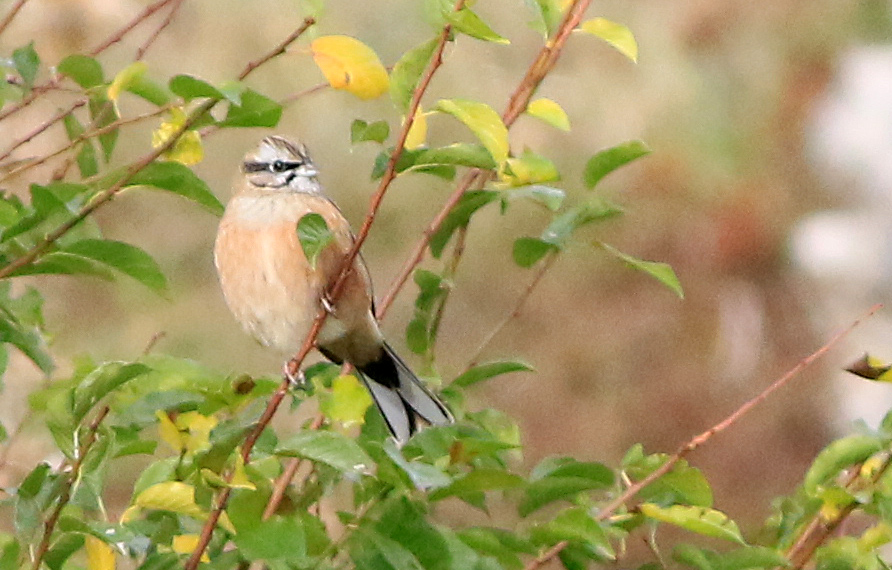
(275, 293)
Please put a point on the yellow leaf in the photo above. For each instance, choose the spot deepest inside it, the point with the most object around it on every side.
(614, 34)
(349, 64)
(169, 432)
(100, 555)
(174, 496)
(239, 476)
(417, 135)
(187, 149)
(186, 544)
(550, 112)
(483, 121)
(125, 78)
(198, 427)
(529, 168)
(347, 402)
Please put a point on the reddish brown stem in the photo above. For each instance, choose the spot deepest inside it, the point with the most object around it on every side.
(11, 15)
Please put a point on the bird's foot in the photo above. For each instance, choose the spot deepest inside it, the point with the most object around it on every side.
(327, 304)
(298, 380)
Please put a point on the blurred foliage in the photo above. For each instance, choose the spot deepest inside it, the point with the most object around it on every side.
(226, 489)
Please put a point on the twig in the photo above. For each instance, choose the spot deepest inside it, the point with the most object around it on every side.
(818, 531)
(141, 52)
(699, 440)
(11, 15)
(38, 90)
(119, 35)
(286, 477)
(278, 50)
(517, 103)
(42, 127)
(65, 493)
(687, 448)
(518, 306)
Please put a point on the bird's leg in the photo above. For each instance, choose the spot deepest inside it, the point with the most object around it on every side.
(297, 380)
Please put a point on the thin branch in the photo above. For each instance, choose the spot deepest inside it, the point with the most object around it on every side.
(65, 493)
(607, 511)
(819, 530)
(29, 164)
(517, 103)
(287, 476)
(141, 52)
(11, 15)
(119, 35)
(38, 90)
(42, 127)
(278, 50)
(518, 306)
(732, 419)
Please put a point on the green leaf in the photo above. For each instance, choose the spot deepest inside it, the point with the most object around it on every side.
(147, 89)
(256, 110)
(529, 250)
(189, 88)
(577, 526)
(126, 258)
(374, 551)
(348, 401)
(550, 112)
(361, 131)
(617, 35)
(101, 382)
(104, 112)
(33, 482)
(549, 16)
(467, 22)
(333, 449)
(559, 231)
(176, 178)
(407, 71)
(606, 161)
(478, 481)
(483, 121)
(275, 538)
(701, 520)
(459, 217)
(550, 197)
(483, 372)
(457, 154)
(62, 263)
(501, 544)
(682, 484)
(422, 475)
(28, 341)
(314, 236)
(86, 156)
(26, 62)
(564, 485)
(662, 272)
(82, 69)
(837, 456)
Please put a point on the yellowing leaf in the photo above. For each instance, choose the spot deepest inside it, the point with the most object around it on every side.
(239, 476)
(187, 149)
(186, 544)
(701, 520)
(417, 132)
(169, 432)
(349, 64)
(173, 496)
(529, 168)
(617, 35)
(125, 78)
(347, 402)
(198, 430)
(550, 112)
(100, 555)
(483, 121)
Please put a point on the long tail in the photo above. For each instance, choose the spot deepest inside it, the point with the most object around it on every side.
(401, 397)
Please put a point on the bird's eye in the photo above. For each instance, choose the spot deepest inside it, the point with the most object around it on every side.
(279, 166)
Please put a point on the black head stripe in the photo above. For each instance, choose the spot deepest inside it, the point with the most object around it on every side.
(277, 166)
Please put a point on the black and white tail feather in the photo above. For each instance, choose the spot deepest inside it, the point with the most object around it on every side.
(401, 397)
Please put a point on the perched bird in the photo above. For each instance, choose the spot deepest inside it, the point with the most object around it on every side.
(275, 293)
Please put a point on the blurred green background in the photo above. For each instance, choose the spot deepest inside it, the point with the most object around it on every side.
(735, 98)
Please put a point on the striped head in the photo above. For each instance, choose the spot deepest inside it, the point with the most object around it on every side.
(277, 163)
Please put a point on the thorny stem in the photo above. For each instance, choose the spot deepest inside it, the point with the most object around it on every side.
(65, 493)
